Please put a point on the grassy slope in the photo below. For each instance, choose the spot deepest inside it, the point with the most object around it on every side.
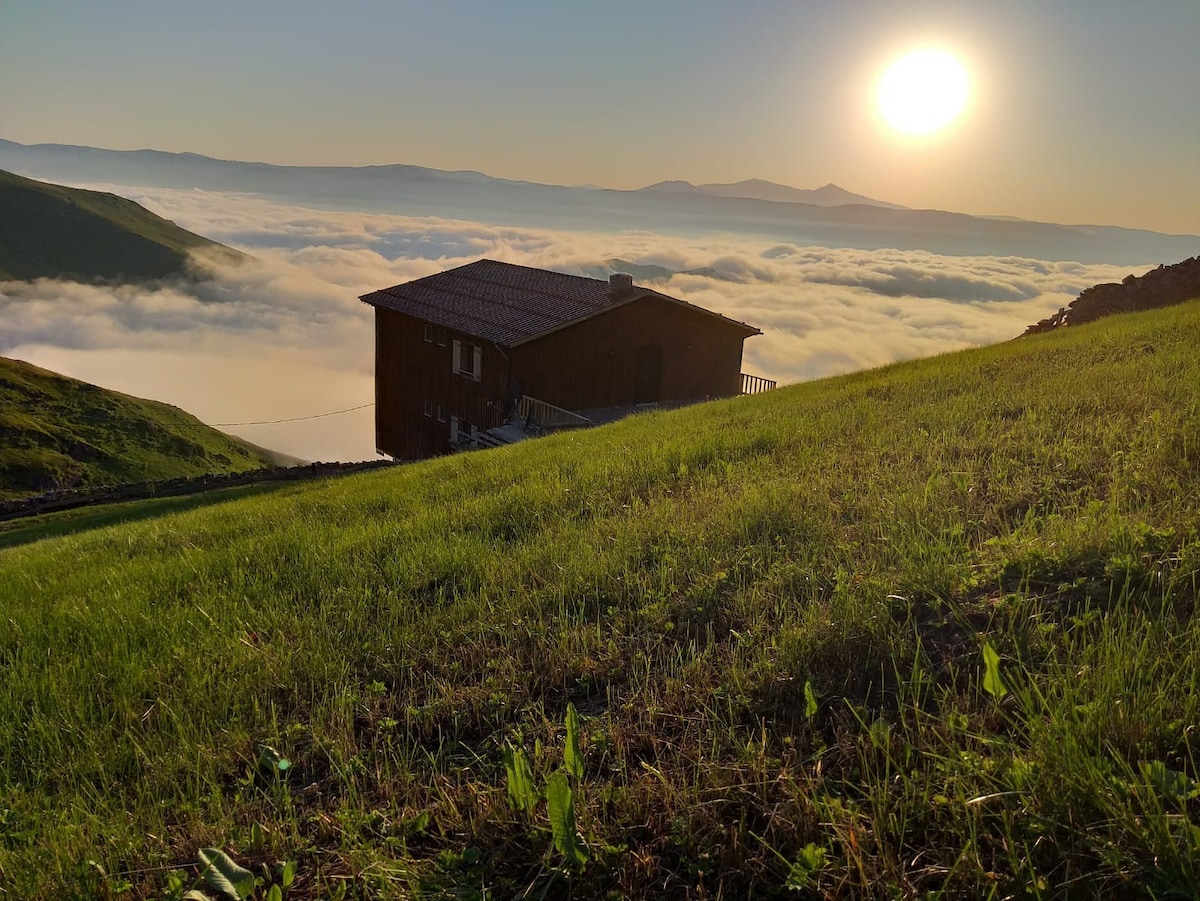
(58, 432)
(689, 581)
(51, 231)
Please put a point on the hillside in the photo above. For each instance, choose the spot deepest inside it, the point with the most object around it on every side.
(51, 231)
(925, 630)
(57, 432)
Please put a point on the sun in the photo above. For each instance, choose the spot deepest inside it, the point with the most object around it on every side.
(923, 92)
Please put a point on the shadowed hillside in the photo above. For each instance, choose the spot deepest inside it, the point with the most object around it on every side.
(51, 231)
(57, 432)
(924, 631)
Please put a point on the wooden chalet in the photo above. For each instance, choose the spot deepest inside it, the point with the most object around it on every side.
(490, 352)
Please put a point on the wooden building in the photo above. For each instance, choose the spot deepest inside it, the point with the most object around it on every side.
(481, 354)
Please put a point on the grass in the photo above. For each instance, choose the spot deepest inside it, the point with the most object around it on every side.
(58, 432)
(927, 630)
(28, 529)
(52, 231)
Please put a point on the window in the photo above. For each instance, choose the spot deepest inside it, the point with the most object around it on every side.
(429, 333)
(468, 359)
(441, 414)
(429, 408)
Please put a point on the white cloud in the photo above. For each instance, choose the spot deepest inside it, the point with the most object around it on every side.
(291, 333)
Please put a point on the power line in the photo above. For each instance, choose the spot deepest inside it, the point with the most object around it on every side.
(294, 418)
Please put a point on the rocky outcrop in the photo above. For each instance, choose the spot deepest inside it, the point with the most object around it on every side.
(1159, 287)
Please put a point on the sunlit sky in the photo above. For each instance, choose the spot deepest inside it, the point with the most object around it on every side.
(1082, 111)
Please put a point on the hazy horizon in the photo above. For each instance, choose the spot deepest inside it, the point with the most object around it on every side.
(627, 95)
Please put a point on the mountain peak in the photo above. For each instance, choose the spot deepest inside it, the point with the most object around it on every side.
(672, 185)
(761, 189)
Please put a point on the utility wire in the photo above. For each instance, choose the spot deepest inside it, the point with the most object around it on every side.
(294, 418)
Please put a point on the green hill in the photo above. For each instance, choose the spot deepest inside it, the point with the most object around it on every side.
(58, 432)
(928, 630)
(51, 231)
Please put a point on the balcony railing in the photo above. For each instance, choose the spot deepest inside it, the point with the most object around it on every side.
(755, 384)
(532, 412)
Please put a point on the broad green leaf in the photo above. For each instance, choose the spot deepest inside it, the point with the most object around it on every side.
(572, 756)
(417, 825)
(561, 803)
(992, 683)
(1167, 782)
(809, 862)
(521, 793)
(810, 700)
(223, 874)
(196, 895)
(275, 894)
(288, 873)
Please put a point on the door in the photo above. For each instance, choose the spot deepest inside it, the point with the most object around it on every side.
(648, 379)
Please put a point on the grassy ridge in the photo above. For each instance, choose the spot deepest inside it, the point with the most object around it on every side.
(52, 231)
(58, 432)
(773, 615)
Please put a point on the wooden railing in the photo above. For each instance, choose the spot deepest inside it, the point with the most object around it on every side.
(755, 384)
(547, 416)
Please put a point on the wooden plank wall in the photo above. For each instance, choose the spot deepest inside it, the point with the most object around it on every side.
(593, 364)
(413, 375)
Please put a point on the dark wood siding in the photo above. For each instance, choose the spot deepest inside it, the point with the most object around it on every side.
(647, 350)
(595, 363)
(415, 377)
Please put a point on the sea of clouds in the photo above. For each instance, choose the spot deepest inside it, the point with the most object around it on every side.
(285, 334)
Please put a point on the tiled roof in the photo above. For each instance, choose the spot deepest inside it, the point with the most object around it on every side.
(508, 304)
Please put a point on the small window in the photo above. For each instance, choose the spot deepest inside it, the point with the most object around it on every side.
(429, 408)
(468, 359)
(441, 414)
(429, 333)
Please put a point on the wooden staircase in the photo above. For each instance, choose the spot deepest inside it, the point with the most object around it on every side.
(531, 419)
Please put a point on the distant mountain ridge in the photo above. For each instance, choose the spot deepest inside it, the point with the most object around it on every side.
(759, 189)
(418, 191)
(57, 432)
(52, 231)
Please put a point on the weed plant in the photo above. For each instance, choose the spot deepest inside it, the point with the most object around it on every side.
(923, 631)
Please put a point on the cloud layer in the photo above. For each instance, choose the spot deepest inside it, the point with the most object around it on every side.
(287, 336)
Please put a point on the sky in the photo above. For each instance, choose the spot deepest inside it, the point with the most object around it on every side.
(1081, 111)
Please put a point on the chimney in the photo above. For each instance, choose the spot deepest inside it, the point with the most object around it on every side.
(620, 284)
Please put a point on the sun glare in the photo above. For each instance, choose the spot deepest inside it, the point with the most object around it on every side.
(923, 92)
